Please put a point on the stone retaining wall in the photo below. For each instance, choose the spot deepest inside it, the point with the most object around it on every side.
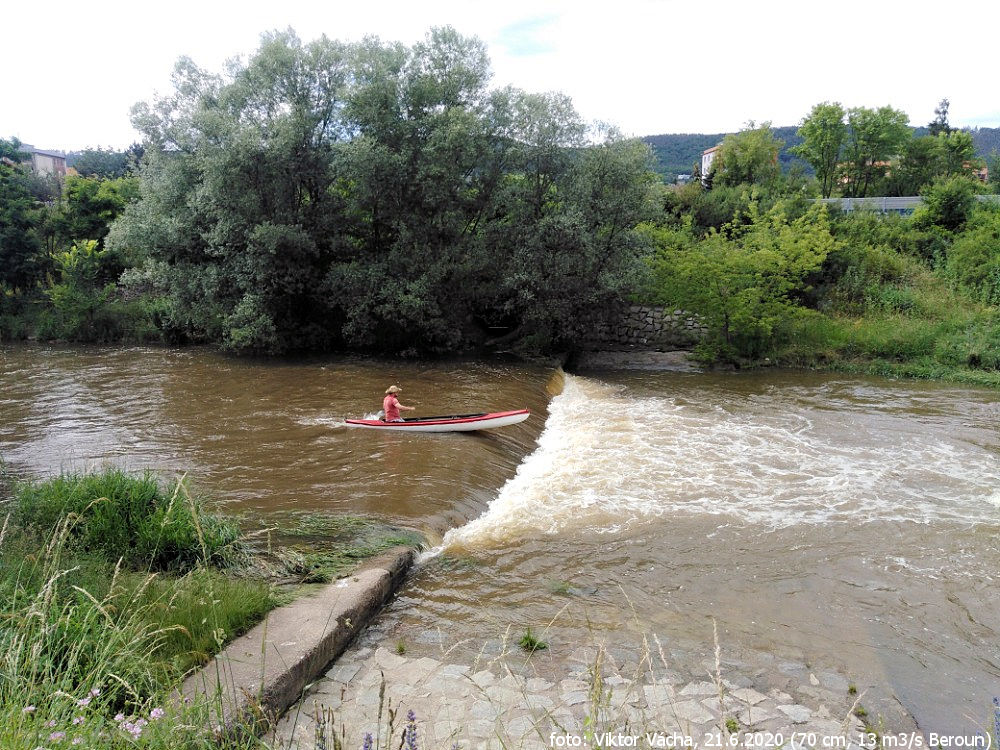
(645, 326)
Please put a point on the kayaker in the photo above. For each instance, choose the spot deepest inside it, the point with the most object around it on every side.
(391, 405)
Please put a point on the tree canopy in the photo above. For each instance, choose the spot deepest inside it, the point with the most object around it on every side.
(327, 193)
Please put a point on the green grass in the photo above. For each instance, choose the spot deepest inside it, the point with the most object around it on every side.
(119, 515)
(89, 630)
(924, 330)
(112, 588)
(530, 643)
(82, 641)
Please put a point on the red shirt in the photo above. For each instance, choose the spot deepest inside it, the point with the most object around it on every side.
(390, 405)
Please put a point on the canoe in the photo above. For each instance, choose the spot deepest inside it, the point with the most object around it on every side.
(454, 423)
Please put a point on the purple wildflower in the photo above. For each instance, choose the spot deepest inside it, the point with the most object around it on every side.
(369, 741)
(76, 741)
(50, 723)
(134, 728)
(56, 736)
(84, 701)
(119, 717)
(156, 713)
(410, 734)
(78, 720)
(95, 692)
(28, 710)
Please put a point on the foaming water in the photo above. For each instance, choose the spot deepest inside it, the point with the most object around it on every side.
(610, 459)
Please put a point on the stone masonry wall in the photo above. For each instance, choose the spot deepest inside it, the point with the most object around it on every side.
(647, 327)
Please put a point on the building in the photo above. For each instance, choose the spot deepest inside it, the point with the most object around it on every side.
(707, 157)
(45, 162)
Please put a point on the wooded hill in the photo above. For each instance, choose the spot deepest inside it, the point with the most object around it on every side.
(677, 153)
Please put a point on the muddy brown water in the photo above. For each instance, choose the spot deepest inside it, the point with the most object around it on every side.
(849, 523)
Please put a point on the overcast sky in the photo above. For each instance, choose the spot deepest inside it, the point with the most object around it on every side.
(70, 71)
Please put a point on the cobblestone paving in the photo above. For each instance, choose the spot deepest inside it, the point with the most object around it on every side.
(502, 703)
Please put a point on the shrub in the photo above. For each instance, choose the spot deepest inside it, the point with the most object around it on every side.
(948, 203)
(973, 261)
(117, 514)
(976, 345)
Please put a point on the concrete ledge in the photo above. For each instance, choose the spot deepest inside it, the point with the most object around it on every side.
(636, 359)
(263, 672)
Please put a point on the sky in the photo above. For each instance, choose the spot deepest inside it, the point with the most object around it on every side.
(70, 71)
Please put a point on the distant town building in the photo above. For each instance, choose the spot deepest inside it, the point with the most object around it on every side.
(683, 179)
(45, 162)
(707, 157)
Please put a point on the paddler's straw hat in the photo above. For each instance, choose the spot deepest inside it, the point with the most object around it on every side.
(393, 389)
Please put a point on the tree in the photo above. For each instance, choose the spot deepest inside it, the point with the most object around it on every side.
(19, 244)
(874, 136)
(744, 281)
(103, 163)
(823, 132)
(939, 125)
(89, 206)
(376, 195)
(749, 157)
(958, 153)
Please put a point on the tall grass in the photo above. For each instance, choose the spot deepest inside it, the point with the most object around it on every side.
(918, 328)
(132, 518)
(91, 644)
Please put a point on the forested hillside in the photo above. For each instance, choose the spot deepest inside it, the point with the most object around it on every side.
(677, 153)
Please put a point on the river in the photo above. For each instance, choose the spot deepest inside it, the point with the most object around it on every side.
(850, 523)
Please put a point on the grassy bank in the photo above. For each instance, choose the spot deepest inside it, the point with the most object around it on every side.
(112, 589)
(860, 292)
(916, 327)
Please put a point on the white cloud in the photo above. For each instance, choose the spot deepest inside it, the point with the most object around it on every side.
(72, 70)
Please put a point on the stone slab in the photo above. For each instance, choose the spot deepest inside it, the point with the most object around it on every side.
(266, 670)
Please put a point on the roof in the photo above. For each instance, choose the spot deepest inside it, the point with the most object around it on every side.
(29, 149)
(42, 152)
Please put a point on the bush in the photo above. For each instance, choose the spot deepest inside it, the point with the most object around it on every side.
(851, 271)
(133, 517)
(948, 203)
(976, 345)
(973, 261)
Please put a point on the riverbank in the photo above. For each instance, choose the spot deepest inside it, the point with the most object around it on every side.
(114, 588)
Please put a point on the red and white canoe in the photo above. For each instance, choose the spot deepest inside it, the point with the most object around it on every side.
(456, 423)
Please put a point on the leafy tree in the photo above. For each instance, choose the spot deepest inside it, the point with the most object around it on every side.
(10, 150)
(744, 281)
(973, 260)
(102, 163)
(19, 244)
(958, 153)
(376, 194)
(939, 125)
(874, 136)
(90, 205)
(749, 157)
(918, 165)
(80, 295)
(823, 133)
